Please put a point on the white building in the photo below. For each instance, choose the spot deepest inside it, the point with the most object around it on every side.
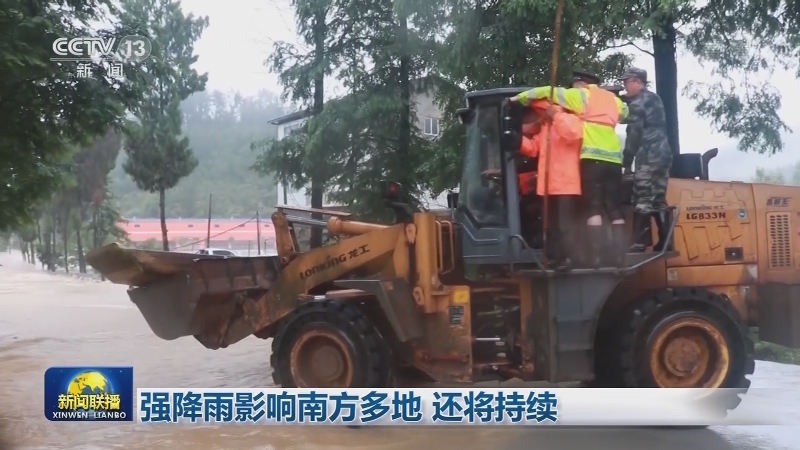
(428, 117)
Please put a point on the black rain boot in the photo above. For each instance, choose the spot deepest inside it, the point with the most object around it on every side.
(548, 250)
(619, 244)
(580, 248)
(597, 239)
(560, 263)
(640, 232)
(663, 221)
(563, 263)
(557, 258)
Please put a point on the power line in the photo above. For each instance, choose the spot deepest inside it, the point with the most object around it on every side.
(215, 235)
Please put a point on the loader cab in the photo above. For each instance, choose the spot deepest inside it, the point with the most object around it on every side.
(487, 204)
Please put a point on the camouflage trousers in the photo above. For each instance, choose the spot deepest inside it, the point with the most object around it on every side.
(650, 188)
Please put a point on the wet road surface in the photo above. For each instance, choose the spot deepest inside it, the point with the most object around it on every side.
(48, 320)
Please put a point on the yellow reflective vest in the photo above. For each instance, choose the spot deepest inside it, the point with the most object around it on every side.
(600, 141)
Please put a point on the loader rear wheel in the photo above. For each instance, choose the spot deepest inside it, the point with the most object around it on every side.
(686, 338)
(329, 344)
(688, 351)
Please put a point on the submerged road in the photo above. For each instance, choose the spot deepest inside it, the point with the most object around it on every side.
(48, 319)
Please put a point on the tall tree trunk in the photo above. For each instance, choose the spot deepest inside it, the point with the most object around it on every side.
(81, 261)
(51, 260)
(318, 186)
(96, 232)
(32, 253)
(162, 201)
(66, 240)
(664, 54)
(54, 236)
(404, 141)
(94, 228)
(45, 248)
(39, 237)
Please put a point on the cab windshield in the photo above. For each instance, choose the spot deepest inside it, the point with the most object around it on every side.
(481, 182)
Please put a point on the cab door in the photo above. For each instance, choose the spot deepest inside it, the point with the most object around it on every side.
(488, 201)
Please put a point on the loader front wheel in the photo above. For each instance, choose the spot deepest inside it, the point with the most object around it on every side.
(329, 344)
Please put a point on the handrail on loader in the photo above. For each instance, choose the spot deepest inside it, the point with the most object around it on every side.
(324, 212)
(660, 254)
(625, 270)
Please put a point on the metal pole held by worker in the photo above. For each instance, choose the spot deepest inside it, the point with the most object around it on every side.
(549, 130)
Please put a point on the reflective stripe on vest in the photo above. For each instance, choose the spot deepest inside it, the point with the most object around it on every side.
(600, 113)
(527, 183)
(612, 156)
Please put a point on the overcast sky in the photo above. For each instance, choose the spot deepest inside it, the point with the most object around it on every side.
(241, 34)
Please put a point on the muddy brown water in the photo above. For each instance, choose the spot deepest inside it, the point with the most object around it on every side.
(48, 320)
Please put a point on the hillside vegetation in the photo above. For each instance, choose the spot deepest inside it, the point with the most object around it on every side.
(220, 128)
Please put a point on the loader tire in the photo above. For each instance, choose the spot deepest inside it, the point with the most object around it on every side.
(698, 319)
(329, 344)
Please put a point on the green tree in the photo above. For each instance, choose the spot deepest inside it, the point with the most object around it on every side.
(302, 76)
(106, 221)
(158, 156)
(5, 240)
(91, 167)
(496, 44)
(769, 176)
(44, 108)
(221, 128)
(743, 42)
(27, 236)
(51, 222)
(401, 44)
(369, 135)
(60, 224)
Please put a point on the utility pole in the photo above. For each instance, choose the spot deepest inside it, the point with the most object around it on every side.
(258, 232)
(208, 232)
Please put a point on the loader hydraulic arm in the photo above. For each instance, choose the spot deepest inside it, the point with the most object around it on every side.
(382, 251)
(339, 227)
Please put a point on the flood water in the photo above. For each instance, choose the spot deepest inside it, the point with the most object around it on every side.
(48, 319)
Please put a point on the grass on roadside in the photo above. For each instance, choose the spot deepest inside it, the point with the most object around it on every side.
(766, 351)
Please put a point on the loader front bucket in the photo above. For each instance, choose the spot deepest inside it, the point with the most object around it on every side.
(182, 294)
(138, 267)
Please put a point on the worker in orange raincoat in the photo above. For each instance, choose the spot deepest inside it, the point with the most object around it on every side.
(562, 161)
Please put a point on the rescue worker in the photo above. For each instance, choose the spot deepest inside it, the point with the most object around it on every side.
(647, 143)
(600, 155)
(563, 182)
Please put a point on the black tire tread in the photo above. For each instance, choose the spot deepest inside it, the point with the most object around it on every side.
(619, 369)
(345, 317)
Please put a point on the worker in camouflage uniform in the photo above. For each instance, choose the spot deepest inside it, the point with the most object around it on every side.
(647, 143)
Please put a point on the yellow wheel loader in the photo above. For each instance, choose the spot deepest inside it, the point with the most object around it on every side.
(463, 295)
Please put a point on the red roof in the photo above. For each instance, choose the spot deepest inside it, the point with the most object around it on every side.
(140, 230)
